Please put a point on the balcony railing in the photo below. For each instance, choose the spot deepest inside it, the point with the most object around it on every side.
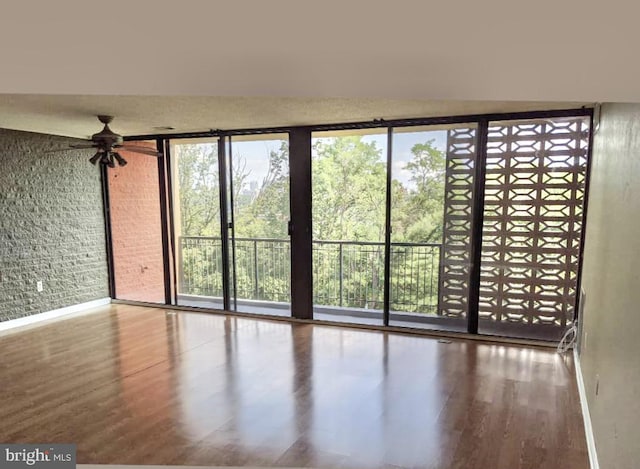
(348, 274)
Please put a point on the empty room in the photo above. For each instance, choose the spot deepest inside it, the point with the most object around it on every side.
(270, 234)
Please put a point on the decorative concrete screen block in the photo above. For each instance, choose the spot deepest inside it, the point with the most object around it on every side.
(456, 245)
(534, 196)
(533, 207)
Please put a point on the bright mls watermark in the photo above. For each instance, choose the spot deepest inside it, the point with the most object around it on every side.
(40, 456)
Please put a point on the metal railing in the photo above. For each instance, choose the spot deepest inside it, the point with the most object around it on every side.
(347, 274)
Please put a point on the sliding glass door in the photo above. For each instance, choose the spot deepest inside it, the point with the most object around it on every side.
(348, 195)
(421, 255)
(231, 212)
(197, 223)
(432, 182)
(258, 187)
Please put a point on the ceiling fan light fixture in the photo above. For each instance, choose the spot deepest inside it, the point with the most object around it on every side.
(121, 161)
(105, 159)
(106, 143)
(94, 159)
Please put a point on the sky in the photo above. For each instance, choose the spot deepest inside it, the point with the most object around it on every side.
(256, 153)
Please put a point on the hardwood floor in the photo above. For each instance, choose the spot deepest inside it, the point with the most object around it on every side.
(134, 385)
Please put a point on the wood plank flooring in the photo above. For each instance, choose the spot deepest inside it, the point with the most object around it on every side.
(134, 385)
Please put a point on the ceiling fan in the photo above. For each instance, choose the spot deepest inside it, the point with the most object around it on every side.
(107, 142)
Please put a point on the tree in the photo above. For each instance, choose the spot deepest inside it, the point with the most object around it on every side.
(266, 215)
(418, 211)
(349, 197)
(349, 178)
(199, 188)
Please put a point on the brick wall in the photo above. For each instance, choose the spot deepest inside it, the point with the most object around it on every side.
(51, 226)
(136, 229)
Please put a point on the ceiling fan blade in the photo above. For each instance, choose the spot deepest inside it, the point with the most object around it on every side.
(143, 150)
(82, 145)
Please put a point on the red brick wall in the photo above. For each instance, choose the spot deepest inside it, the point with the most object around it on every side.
(136, 228)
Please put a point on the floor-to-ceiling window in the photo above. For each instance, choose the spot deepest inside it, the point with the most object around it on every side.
(197, 225)
(431, 188)
(258, 168)
(231, 213)
(460, 226)
(349, 171)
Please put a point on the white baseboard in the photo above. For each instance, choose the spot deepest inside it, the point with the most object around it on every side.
(56, 313)
(588, 428)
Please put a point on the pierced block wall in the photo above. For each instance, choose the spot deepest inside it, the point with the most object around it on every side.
(458, 215)
(533, 207)
(534, 195)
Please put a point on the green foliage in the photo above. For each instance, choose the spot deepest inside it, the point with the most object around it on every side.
(349, 180)
(418, 211)
(198, 182)
(267, 215)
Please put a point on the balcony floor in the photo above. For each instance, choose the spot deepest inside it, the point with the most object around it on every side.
(374, 317)
(333, 314)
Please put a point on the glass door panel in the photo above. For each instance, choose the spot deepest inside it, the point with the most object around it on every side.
(258, 166)
(196, 211)
(431, 203)
(348, 195)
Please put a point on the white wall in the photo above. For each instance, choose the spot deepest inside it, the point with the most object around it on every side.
(610, 354)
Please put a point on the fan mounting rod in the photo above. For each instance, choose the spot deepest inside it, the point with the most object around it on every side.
(106, 139)
(105, 119)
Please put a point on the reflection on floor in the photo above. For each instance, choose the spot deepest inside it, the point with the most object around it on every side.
(135, 385)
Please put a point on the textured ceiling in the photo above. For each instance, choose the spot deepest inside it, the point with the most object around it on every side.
(198, 64)
(74, 116)
(490, 50)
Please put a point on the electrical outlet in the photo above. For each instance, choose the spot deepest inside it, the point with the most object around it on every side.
(39, 286)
